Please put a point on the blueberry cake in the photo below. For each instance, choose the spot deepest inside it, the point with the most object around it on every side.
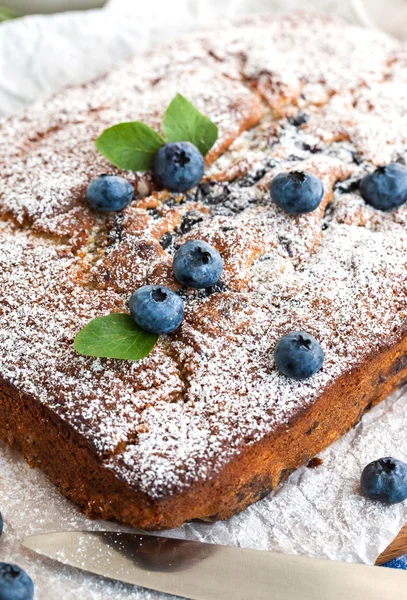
(206, 424)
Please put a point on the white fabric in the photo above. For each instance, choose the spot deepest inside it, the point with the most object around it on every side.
(41, 54)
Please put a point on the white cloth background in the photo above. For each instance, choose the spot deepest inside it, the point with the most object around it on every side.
(40, 54)
(318, 512)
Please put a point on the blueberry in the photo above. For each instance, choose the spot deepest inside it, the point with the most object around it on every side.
(1, 524)
(298, 355)
(156, 309)
(296, 193)
(197, 265)
(109, 193)
(386, 480)
(178, 166)
(397, 563)
(15, 583)
(386, 187)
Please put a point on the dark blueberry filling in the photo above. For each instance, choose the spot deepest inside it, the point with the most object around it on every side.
(167, 241)
(178, 200)
(314, 148)
(356, 158)
(256, 173)
(253, 177)
(214, 194)
(329, 210)
(204, 189)
(287, 245)
(189, 221)
(348, 186)
(213, 289)
(299, 119)
(186, 294)
(154, 212)
(117, 231)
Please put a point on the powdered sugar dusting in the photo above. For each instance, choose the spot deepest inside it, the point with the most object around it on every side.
(209, 390)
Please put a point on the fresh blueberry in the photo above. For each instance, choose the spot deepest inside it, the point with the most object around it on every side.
(386, 480)
(15, 583)
(178, 166)
(386, 187)
(298, 355)
(109, 193)
(197, 265)
(156, 309)
(296, 192)
(397, 563)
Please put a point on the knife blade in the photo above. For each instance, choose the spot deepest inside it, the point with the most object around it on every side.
(201, 571)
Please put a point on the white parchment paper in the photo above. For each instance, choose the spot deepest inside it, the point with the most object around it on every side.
(318, 512)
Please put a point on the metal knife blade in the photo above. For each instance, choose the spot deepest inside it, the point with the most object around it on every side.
(210, 572)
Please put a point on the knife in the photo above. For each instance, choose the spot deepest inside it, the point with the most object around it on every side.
(201, 571)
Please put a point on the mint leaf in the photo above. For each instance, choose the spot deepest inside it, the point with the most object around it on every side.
(6, 14)
(130, 146)
(182, 122)
(114, 336)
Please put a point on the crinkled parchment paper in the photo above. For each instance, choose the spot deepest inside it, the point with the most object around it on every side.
(318, 512)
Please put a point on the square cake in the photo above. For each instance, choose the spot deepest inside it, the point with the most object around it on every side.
(205, 424)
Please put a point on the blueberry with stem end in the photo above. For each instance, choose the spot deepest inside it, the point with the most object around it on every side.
(15, 584)
(296, 192)
(386, 480)
(156, 309)
(178, 166)
(109, 193)
(386, 187)
(298, 355)
(197, 265)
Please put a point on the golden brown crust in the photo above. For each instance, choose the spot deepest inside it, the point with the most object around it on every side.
(46, 442)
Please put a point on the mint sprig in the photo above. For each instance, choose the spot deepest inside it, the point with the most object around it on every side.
(114, 336)
(182, 122)
(6, 14)
(132, 146)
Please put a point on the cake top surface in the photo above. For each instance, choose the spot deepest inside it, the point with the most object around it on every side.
(294, 92)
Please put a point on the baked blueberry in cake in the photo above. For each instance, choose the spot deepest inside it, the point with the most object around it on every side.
(295, 226)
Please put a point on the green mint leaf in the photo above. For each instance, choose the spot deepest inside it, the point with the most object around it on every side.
(6, 14)
(182, 122)
(130, 146)
(114, 336)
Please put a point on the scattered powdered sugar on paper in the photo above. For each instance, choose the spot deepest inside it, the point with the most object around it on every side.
(320, 512)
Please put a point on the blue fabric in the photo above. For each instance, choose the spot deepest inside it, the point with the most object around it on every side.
(397, 563)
